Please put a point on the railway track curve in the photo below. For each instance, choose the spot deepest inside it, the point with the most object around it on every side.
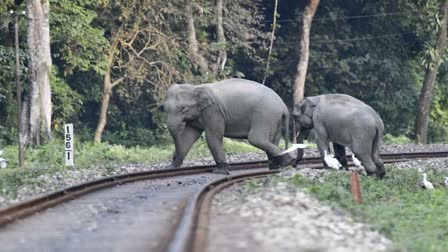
(192, 232)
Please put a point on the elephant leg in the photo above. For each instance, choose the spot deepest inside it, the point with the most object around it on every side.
(322, 145)
(214, 134)
(273, 163)
(263, 137)
(380, 171)
(277, 137)
(183, 145)
(339, 154)
(303, 134)
(363, 151)
(367, 162)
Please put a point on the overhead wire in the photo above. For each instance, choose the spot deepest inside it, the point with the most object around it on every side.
(351, 39)
(338, 18)
(349, 17)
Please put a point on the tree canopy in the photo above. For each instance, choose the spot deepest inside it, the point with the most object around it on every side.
(377, 51)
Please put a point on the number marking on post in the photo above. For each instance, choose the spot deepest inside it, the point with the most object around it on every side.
(69, 144)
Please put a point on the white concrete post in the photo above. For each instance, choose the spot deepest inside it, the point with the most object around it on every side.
(69, 158)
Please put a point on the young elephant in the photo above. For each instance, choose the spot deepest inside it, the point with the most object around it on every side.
(232, 108)
(345, 121)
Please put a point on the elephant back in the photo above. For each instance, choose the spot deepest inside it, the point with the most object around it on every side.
(251, 91)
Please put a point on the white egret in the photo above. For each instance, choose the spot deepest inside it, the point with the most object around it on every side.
(331, 161)
(425, 183)
(446, 181)
(356, 161)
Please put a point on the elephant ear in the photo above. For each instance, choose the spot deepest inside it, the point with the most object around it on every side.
(308, 107)
(204, 98)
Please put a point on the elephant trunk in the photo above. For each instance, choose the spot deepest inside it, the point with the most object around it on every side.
(176, 126)
(299, 137)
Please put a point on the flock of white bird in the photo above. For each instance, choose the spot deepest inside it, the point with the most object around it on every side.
(333, 163)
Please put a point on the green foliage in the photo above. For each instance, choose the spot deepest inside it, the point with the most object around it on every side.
(426, 27)
(379, 58)
(79, 42)
(412, 217)
(8, 108)
(131, 136)
(247, 34)
(438, 127)
(66, 102)
(438, 133)
(390, 139)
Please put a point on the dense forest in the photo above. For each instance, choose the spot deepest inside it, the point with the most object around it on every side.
(112, 61)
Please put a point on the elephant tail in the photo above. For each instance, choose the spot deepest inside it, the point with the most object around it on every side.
(285, 119)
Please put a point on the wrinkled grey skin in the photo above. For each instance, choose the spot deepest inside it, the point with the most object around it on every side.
(345, 121)
(232, 108)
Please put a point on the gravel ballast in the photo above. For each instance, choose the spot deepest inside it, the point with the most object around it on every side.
(278, 219)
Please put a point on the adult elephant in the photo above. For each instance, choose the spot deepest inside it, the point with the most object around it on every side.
(234, 108)
(345, 121)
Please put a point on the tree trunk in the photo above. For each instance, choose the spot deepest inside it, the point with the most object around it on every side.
(107, 92)
(274, 23)
(426, 94)
(304, 37)
(18, 94)
(222, 57)
(193, 48)
(38, 39)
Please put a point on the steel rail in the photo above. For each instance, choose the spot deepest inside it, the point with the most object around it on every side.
(192, 231)
(40, 203)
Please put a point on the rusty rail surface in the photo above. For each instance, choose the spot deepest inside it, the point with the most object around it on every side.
(40, 203)
(192, 231)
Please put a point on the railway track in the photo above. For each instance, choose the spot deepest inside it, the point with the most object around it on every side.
(191, 233)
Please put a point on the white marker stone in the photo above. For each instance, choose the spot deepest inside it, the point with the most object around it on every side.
(69, 144)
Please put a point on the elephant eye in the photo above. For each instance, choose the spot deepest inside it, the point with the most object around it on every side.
(182, 108)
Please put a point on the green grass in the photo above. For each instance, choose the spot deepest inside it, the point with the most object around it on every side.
(49, 159)
(414, 218)
(399, 140)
